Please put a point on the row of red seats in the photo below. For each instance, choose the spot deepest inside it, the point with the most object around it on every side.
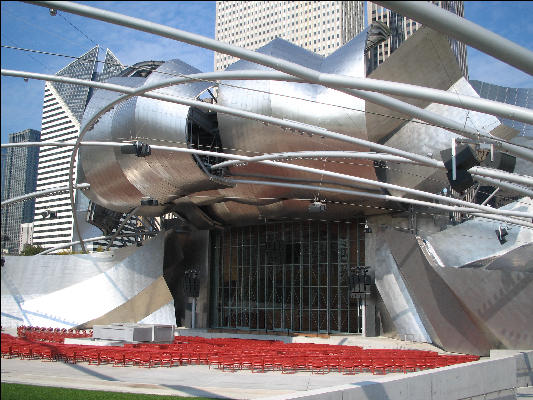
(58, 335)
(236, 354)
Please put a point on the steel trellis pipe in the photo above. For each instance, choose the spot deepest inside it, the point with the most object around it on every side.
(250, 159)
(501, 184)
(318, 154)
(388, 197)
(499, 174)
(228, 110)
(278, 64)
(281, 155)
(42, 193)
(400, 188)
(342, 82)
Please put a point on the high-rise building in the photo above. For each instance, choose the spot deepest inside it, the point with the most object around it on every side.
(63, 108)
(19, 177)
(26, 235)
(318, 26)
(402, 27)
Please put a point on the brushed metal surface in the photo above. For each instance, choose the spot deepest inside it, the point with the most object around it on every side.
(83, 288)
(393, 290)
(310, 104)
(426, 139)
(121, 180)
(500, 299)
(455, 247)
(110, 187)
(451, 324)
(425, 60)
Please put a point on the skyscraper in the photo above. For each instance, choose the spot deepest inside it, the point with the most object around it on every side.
(318, 26)
(63, 108)
(19, 177)
(402, 27)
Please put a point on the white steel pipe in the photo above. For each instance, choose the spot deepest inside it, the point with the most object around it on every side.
(43, 193)
(506, 185)
(499, 174)
(278, 64)
(492, 107)
(465, 210)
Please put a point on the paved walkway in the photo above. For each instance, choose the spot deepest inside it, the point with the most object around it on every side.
(193, 380)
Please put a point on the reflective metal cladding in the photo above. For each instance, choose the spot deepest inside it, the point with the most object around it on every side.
(171, 181)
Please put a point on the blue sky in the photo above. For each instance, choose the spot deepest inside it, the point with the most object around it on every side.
(32, 27)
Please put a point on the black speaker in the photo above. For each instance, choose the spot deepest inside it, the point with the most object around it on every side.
(465, 157)
(192, 283)
(463, 180)
(501, 161)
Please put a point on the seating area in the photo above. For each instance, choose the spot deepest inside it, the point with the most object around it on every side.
(57, 335)
(256, 356)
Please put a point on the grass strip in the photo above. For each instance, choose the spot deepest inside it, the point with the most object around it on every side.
(14, 391)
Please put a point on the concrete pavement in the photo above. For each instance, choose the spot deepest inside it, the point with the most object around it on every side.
(192, 380)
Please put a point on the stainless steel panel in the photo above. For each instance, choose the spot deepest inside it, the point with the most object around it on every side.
(393, 289)
(500, 299)
(119, 181)
(451, 324)
(425, 60)
(454, 251)
(430, 140)
(109, 185)
(90, 298)
(166, 123)
(311, 104)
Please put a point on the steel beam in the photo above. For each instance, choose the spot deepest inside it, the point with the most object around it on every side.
(119, 229)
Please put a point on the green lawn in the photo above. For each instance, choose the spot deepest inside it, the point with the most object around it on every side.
(12, 391)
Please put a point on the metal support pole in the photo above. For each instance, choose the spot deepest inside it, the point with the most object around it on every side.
(193, 316)
(454, 161)
(363, 312)
(491, 196)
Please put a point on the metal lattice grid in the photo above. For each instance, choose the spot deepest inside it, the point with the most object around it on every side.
(291, 276)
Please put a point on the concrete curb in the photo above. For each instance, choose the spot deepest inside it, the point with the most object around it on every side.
(498, 377)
